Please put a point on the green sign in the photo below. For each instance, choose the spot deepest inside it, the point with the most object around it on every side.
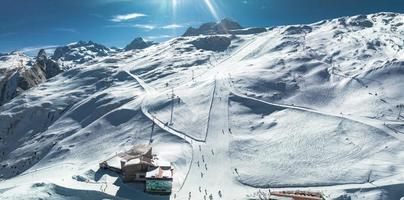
(158, 185)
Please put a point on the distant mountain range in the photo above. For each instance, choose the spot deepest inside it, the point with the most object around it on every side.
(19, 72)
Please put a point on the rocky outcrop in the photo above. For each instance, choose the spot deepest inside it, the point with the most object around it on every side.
(225, 26)
(212, 43)
(15, 80)
(138, 43)
(49, 66)
(212, 28)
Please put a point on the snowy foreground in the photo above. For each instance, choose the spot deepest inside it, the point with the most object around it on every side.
(310, 107)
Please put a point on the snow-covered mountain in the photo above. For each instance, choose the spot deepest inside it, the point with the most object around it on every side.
(80, 52)
(310, 107)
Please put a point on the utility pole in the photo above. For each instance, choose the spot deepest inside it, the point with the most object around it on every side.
(172, 105)
(399, 112)
(152, 130)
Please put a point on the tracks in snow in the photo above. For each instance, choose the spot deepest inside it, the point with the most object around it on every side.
(379, 124)
(225, 84)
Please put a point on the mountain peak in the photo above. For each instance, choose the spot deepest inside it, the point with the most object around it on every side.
(42, 54)
(138, 43)
(80, 52)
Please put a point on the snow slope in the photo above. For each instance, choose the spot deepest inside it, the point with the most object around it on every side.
(309, 107)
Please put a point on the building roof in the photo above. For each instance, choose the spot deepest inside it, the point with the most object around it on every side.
(133, 161)
(275, 197)
(162, 163)
(114, 162)
(135, 152)
(139, 160)
(298, 195)
(160, 173)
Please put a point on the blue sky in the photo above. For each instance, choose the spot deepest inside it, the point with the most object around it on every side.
(31, 24)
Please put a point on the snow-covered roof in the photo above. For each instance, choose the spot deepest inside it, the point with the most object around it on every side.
(162, 163)
(275, 197)
(135, 152)
(160, 173)
(114, 162)
(133, 161)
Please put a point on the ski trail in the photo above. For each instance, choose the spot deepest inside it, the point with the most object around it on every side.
(212, 170)
(367, 121)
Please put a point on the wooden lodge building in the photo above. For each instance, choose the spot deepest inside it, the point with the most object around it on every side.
(140, 165)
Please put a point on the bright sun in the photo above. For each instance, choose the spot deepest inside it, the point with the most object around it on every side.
(208, 3)
(211, 9)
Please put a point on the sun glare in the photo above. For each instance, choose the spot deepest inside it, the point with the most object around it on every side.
(174, 4)
(211, 9)
(208, 3)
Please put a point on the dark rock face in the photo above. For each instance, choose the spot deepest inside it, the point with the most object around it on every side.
(80, 52)
(361, 21)
(212, 43)
(16, 80)
(247, 31)
(225, 26)
(138, 43)
(49, 66)
(294, 30)
(31, 78)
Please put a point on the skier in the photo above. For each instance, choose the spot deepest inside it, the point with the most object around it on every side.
(206, 167)
(213, 153)
(220, 194)
(201, 175)
(203, 158)
(200, 189)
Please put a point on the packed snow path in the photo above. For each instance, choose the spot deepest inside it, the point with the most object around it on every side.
(210, 172)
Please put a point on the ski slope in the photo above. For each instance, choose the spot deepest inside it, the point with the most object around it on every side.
(311, 107)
